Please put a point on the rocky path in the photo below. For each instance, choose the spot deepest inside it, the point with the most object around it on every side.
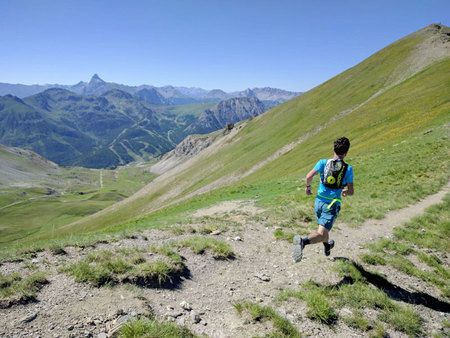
(262, 268)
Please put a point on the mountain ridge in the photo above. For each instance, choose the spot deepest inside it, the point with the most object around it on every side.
(114, 128)
(171, 94)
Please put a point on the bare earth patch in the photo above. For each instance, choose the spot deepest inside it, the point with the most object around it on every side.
(243, 206)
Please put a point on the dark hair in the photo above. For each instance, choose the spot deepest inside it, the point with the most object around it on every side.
(341, 145)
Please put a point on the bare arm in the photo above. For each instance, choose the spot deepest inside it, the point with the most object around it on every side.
(349, 191)
(309, 178)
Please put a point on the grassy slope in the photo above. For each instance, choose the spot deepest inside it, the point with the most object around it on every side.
(27, 167)
(385, 132)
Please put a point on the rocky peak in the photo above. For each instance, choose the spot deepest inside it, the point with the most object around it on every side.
(249, 93)
(227, 111)
(95, 79)
(250, 105)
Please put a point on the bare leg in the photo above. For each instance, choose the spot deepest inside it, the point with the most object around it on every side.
(319, 235)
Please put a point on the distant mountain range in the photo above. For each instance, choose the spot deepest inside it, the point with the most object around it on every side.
(110, 129)
(151, 94)
(103, 124)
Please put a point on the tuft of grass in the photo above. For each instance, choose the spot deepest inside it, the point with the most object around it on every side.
(319, 307)
(206, 229)
(362, 295)
(57, 250)
(404, 265)
(373, 259)
(159, 271)
(288, 230)
(431, 260)
(181, 229)
(151, 328)
(317, 300)
(282, 327)
(199, 244)
(403, 319)
(126, 265)
(378, 332)
(284, 295)
(358, 321)
(167, 251)
(15, 289)
(347, 270)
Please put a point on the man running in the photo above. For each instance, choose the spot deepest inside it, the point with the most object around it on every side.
(336, 178)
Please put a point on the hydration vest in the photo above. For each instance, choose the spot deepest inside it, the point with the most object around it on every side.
(334, 173)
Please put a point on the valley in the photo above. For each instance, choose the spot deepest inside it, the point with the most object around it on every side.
(37, 196)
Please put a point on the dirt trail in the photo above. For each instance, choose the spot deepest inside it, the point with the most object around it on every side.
(101, 179)
(24, 201)
(373, 229)
(262, 268)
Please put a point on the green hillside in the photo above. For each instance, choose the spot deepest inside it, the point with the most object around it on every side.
(394, 107)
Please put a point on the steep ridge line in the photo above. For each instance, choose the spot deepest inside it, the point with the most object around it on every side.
(434, 47)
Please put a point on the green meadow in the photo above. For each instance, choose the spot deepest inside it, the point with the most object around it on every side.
(27, 213)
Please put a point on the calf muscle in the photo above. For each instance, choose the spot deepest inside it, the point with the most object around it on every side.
(319, 235)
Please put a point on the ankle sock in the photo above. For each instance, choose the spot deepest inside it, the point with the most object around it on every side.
(305, 241)
(326, 245)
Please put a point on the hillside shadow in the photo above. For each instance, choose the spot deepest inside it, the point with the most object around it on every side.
(394, 291)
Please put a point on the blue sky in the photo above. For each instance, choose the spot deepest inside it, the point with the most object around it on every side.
(231, 45)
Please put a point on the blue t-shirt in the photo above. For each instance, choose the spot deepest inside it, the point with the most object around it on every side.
(328, 192)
